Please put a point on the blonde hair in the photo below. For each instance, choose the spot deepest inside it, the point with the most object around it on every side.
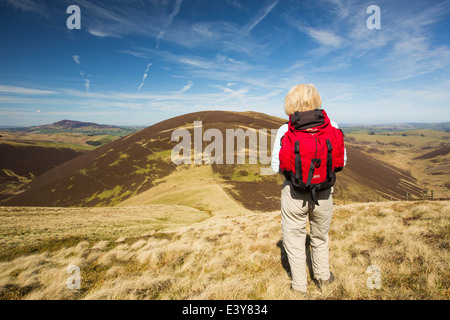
(302, 97)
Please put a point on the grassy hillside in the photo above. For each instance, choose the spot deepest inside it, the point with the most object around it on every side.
(176, 252)
(76, 141)
(424, 153)
(397, 127)
(192, 186)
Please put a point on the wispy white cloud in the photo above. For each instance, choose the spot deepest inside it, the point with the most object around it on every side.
(97, 100)
(415, 57)
(169, 21)
(195, 62)
(339, 99)
(87, 84)
(235, 3)
(153, 20)
(148, 67)
(114, 19)
(232, 93)
(179, 76)
(324, 37)
(297, 65)
(144, 76)
(24, 91)
(340, 8)
(404, 45)
(76, 58)
(186, 87)
(402, 49)
(260, 15)
(29, 6)
(135, 53)
(103, 34)
(215, 35)
(159, 37)
(222, 68)
(223, 88)
(204, 30)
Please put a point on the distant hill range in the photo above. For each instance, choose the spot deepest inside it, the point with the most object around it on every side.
(72, 126)
(443, 126)
(137, 169)
(27, 152)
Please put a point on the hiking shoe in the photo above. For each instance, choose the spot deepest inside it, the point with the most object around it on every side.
(320, 283)
(303, 294)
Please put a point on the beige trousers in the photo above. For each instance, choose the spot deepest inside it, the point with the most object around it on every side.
(295, 207)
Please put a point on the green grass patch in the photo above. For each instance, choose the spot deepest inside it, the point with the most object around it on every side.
(49, 244)
(122, 156)
(49, 144)
(12, 291)
(243, 174)
(12, 174)
(109, 197)
(160, 154)
(145, 170)
(109, 193)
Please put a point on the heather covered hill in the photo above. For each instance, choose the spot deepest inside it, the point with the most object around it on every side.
(126, 166)
(33, 160)
(139, 162)
(73, 127)
(21, 163)
(72, 124)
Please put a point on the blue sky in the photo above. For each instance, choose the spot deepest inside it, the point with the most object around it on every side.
(137, 62)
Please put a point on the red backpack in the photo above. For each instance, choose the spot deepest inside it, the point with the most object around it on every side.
(312, 151)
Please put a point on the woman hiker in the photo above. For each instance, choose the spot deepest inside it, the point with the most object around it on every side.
(296, 205)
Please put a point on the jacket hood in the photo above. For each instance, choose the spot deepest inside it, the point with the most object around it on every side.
(308, 119)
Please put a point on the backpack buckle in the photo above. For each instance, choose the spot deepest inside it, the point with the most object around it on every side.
(317, 162)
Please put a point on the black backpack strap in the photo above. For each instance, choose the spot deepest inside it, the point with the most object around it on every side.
(314, 196)
(329, 160)
(314, 163)
(298, 162)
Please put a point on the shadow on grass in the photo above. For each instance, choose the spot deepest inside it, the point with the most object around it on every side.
(285, 260)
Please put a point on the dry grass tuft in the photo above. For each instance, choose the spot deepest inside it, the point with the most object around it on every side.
(227, 257)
